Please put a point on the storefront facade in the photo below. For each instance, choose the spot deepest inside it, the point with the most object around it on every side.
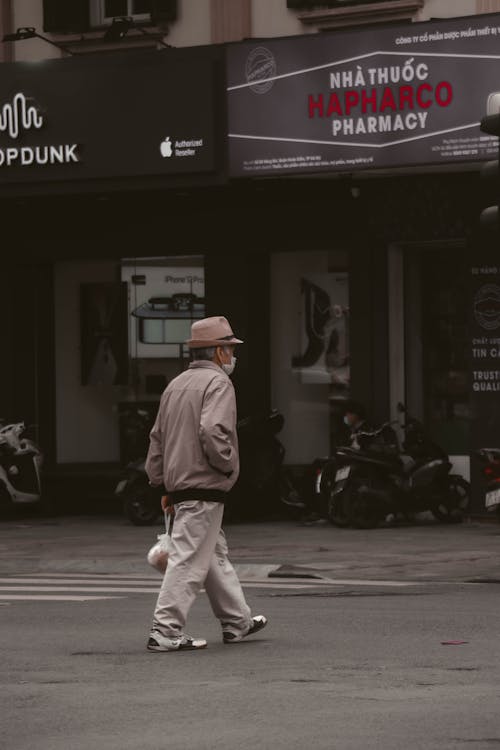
(341, 244)
(100, 159)
(382, 303)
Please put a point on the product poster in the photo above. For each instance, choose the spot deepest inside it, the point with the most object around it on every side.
(164, 300)
(386, 97)
(324, 356)
(104, 349)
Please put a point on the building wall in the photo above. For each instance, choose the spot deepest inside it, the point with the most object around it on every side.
(272, 18)
(447, 9)
(30, 13)
(202, 22)
(193, 24)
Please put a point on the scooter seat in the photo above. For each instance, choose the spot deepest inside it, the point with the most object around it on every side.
(382, 459)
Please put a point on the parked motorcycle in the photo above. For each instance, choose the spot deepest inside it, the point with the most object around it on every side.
(141, 503)
(490, 460)
(262, 484)
(377, 479)
(20, 467)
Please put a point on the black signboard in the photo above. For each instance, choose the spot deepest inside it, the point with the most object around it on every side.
(136, 114)
(380, 98)
(485, 350)
(485, 362)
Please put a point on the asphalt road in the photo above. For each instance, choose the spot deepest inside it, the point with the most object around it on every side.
(342, 665)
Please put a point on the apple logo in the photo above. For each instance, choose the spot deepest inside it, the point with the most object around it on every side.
(166, 147)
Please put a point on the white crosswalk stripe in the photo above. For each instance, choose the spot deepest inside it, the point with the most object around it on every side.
(77, 587)
(53, 597)
(84, 587)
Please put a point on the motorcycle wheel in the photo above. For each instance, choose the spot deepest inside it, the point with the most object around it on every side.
(336, 510)
(454, 502)
(6, 505)
(360, 511)
(141, 503)
(288, 494)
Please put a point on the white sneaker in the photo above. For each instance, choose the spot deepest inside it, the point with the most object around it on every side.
(159, 642)
(259, 622)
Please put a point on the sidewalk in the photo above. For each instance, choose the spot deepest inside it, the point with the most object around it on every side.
(428, 552)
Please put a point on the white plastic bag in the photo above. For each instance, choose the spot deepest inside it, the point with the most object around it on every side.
(157, 556)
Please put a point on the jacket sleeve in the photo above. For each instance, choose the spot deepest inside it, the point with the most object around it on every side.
(218, 427)
(154, 459)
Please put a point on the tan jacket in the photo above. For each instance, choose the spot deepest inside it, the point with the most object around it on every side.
(193, 444)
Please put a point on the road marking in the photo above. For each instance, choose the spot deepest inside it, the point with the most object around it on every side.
(78, 581)
(98, 589)
(136, 581)
(54, 598)
(96, 576)
(274, 585)
(112, 581)
(367, 582)
(146, 589)
(84, 587)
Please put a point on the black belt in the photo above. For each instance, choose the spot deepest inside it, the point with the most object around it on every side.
(207, 496)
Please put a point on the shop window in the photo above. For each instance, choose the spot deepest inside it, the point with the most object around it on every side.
(310, 349)
(345, 13)
(77, 16)
(62, 17)
(437, 364)
(310, 4)
(103, 11)
(165, 297)
(445, 339)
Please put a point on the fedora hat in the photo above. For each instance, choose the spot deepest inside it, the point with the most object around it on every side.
(211, 332)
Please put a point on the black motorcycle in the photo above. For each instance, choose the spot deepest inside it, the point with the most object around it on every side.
(262, 485)
(141, 503)
(490, 466)
(264, 482)
(374, 479)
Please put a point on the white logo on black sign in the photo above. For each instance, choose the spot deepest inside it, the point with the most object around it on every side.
(19, 115)
(260, 67)
(166, 148)
(487, 306)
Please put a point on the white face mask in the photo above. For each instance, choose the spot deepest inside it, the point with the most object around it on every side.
(229, 368)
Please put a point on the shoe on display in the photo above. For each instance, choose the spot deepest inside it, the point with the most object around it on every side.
(259, 622)
(159, 642)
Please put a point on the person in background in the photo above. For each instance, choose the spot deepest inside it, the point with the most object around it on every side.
(355, 421)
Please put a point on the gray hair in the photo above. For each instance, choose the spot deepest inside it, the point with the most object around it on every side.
(206, 353)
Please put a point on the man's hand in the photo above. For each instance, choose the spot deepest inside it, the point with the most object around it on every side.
(166, 506)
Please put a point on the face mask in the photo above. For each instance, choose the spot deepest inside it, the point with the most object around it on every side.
(229, 369)
(347, 421)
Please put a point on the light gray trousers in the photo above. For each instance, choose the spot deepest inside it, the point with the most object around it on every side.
(198, 556)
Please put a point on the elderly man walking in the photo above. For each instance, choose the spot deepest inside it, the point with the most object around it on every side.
(194, 454)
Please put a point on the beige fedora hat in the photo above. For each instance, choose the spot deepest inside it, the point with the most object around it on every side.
(211, 332)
